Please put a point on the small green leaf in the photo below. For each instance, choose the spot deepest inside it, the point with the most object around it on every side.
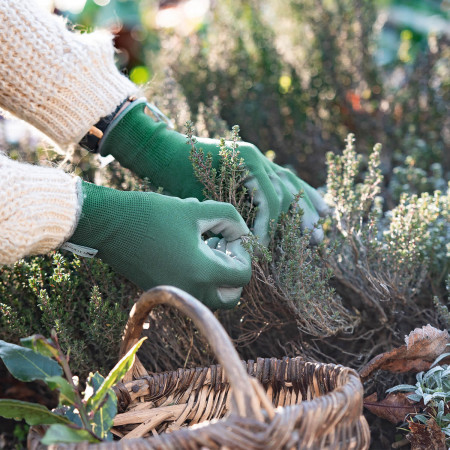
(95, 380)
(40, 344)
(440, 358)
(118, 371)
(402, 387)
(66, 392)
(421, 418)
(73, 415)
(32, 413)
(431, 372)
(62, 433)
(440, 394)
(27, 365)
(93, 384)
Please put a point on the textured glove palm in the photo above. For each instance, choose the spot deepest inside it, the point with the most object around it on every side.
(152, 150)
(154, 239)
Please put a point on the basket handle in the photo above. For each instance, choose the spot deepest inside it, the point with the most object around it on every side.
(244, 394)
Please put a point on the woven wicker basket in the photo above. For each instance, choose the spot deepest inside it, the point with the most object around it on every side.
(283, 404)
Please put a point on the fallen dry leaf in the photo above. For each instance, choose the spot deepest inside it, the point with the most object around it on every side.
(427, 333)
(393, 408)
(423, 346)
(426, 437)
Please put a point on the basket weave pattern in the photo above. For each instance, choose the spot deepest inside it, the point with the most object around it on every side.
(267, 404)
(323, 399)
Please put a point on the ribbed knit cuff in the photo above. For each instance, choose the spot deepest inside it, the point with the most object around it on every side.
(61, 82)
(39, 209)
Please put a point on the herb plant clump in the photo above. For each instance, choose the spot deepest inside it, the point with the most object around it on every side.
(384, 260)
(82, 299)
(382, 263)
(290, 278)
(298, 87)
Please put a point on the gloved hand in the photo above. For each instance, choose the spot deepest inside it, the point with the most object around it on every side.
(150, 149)
(154, 239)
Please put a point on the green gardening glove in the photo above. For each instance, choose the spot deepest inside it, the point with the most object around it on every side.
(154, 239)
(152, 150)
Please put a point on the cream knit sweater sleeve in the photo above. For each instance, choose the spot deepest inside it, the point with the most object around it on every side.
(60, 81)
(39, 208)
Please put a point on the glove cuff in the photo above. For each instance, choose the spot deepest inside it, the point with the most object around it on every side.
(90, 141)
(141, 140)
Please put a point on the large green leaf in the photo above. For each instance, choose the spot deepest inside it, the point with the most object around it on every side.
(32, 413)
(27, 365)
(62, 433)
(118, 372)
(66, 392)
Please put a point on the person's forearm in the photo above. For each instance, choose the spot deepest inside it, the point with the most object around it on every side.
(39, 209)
(60, 81)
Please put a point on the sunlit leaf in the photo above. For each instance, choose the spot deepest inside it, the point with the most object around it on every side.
(66, 392)
(117, 373)
(40, 344)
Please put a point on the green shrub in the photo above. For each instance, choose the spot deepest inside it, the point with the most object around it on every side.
(301, 299)
(82, 299)
(80, 416)
(385, 260)
(290, 275)
(384, 264)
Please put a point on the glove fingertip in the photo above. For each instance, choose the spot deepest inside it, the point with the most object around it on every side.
(229, 297)
(324, 210)
(317, 236)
